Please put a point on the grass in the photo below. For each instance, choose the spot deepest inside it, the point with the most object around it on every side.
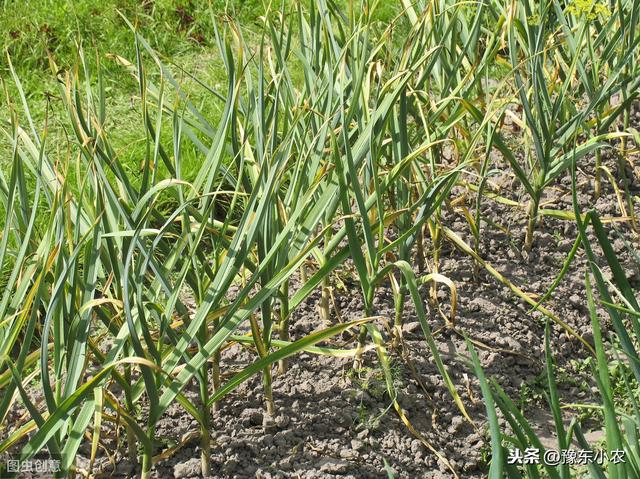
(156, 155)
(179, 31)
(56, 29)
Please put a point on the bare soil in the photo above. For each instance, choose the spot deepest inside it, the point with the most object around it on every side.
(332, 422)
